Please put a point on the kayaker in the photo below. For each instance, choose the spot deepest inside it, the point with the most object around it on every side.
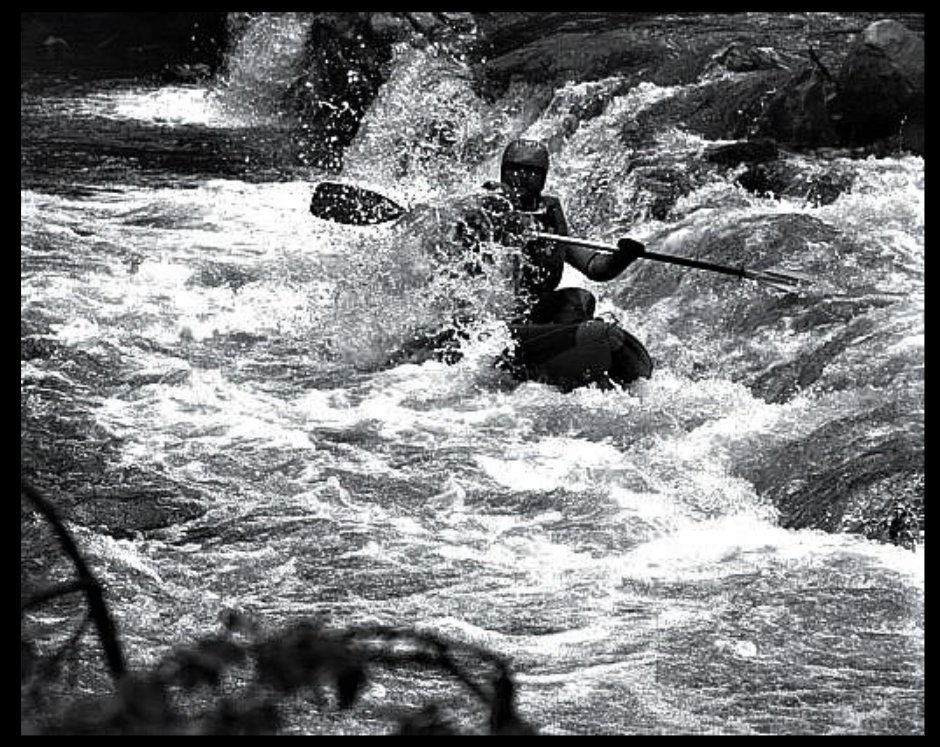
(555, 328)
(557, 338)
(523, 174)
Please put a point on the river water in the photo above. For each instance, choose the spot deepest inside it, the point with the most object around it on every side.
(669, 558)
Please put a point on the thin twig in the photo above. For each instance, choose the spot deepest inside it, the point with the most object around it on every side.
(107, 631)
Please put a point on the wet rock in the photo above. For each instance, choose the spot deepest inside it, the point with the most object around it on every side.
(579, 56)
(798, 113)
(782, 381)
(658, 188)
(745, 151)
(741, 56)
(71, 459)
(783, 179)
(824, 487)
(763, 241)
(885, 65)
(718, 110)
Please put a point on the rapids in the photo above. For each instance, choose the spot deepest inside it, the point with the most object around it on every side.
(675, 557)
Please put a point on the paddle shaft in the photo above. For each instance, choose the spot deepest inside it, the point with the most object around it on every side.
(670, 258)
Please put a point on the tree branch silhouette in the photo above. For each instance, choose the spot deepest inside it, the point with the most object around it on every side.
(302, 657)
(107, 631)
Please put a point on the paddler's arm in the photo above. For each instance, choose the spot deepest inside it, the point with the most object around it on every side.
(556, 215)
(595, 265)
(602, 266)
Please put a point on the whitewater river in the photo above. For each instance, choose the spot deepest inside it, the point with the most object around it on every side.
(670, 558)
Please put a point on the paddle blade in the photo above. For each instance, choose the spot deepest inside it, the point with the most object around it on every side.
(347, 203)
(779, 279)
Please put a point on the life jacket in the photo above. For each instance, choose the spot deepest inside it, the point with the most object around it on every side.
(539, 264)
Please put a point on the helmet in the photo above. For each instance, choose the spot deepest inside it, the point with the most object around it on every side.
(530, 153)
(526, 153)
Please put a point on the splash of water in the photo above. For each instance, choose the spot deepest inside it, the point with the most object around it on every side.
(261, 65)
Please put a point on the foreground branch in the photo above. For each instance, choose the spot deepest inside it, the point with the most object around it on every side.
(107, 632)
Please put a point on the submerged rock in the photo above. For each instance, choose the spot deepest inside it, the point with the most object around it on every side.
(758, 150)
(783, 179)
(822, 489)
(124, 510)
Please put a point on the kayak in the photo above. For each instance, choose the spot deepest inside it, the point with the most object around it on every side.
(579, 354)
(563, 355)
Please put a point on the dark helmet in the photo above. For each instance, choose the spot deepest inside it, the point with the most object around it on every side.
(530, 153)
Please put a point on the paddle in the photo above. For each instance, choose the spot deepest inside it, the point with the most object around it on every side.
(774, 278)
(350, 203)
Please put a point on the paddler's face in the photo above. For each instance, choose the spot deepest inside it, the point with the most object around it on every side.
(524, 181)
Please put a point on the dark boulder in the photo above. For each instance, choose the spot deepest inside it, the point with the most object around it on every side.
(797, 115)
(881, 87)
